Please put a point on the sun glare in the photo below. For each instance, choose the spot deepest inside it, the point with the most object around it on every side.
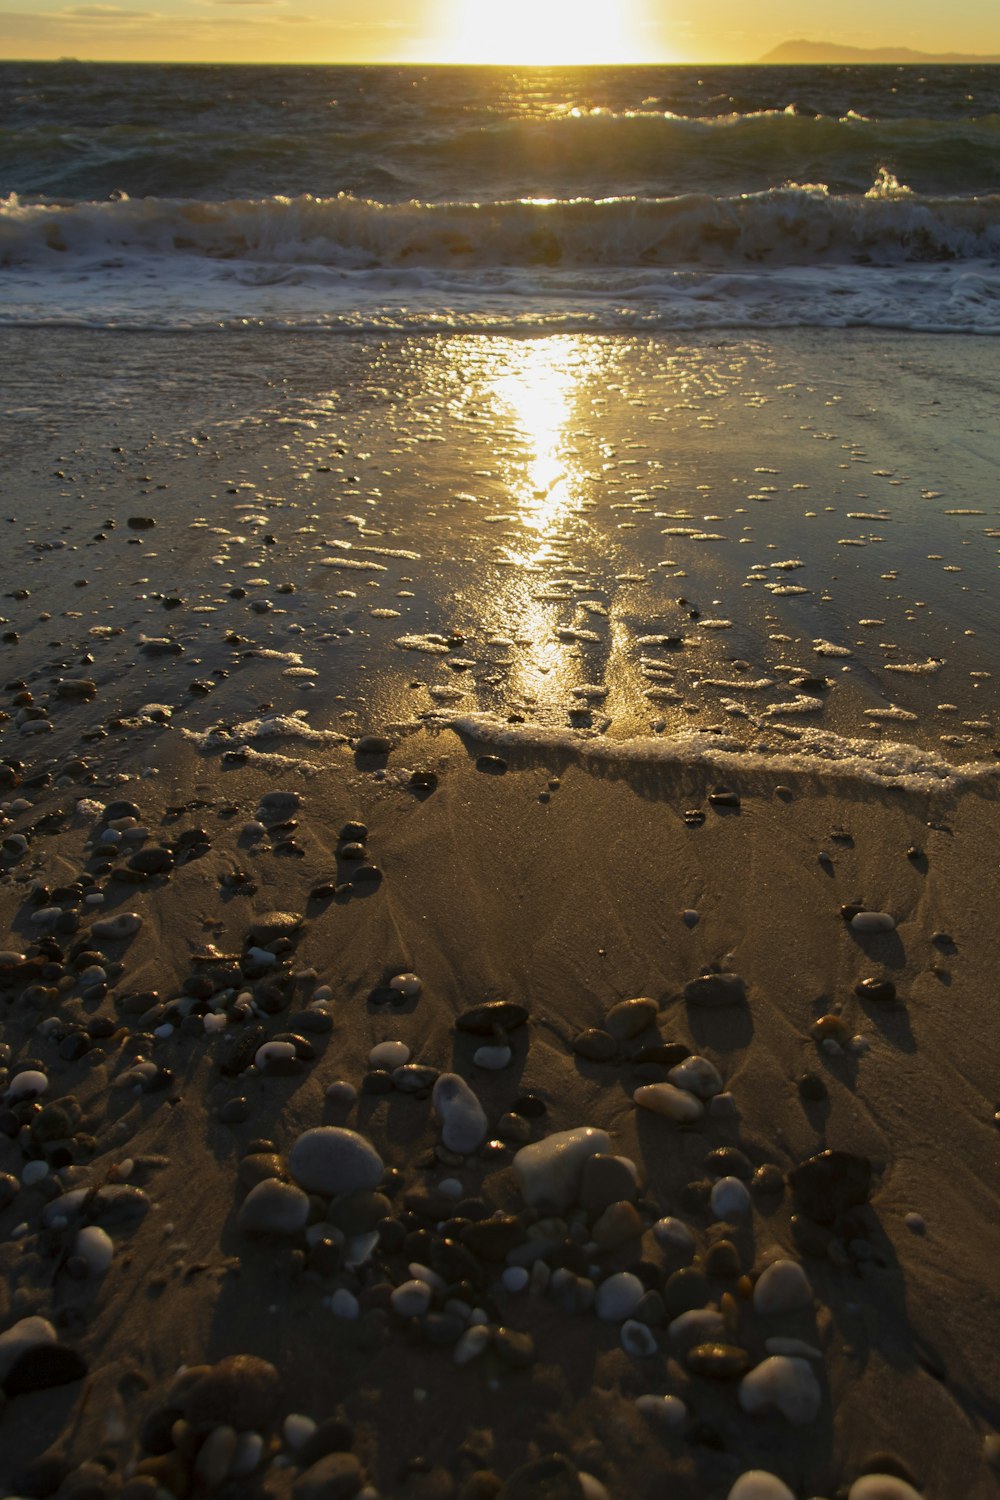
(541, 33)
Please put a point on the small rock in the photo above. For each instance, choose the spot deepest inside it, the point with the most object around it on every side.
(876, 989)
(273, 925)
(42, 1367)
(714, 990)
(330, 1159)
(698, 1076)
(240, 1391)
(872, 921)
(595, 1045)
(119, 927)
(492, 1016)
(26, 1334)
(830, 1183)
(606, 1180)
(389, 1055)
(337, 1476)
(717, 1361)
(630, 1017)
(665, 1099)
(274, 1207)
(882, 1487)
(785, 1385)
(781, 1288)
(550, 1171)
(756, 1484)
(618, 1297)
(463, 1119)
(729, 1198)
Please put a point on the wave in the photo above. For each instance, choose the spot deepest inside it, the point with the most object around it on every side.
(812, 753)
(792, 226)
(596, 151)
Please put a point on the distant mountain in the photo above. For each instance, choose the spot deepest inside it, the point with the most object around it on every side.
(803, 53)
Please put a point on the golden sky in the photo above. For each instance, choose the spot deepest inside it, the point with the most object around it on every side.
(507, 31)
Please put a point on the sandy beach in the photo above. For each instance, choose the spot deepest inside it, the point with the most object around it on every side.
(639, 699)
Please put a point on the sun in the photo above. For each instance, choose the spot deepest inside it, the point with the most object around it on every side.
(540, 33)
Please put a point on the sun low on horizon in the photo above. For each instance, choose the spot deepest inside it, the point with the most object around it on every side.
(540, 33)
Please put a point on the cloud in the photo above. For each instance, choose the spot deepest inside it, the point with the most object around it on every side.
(108, 13)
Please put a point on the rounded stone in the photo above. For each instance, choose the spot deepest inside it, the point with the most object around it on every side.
(239, 1391)
(757, 1484)
(698, 1076)
(463, 1119)
(330, 1159)
(674, 1103)
(337, 1476)
(729, 1198)
(389, 1055)
(274, 1207)
(618, 1297)
(630, 1017)
(782, 1287)
(882, 1487)
(785, 1385)
(595, 1045)
(550, 1171)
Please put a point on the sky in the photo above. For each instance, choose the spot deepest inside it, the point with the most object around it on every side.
(510, 31)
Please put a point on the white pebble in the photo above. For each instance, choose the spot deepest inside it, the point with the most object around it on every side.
(549, 1171)
(665, 1099)
(95, 1246)
(297, 1429)
(162, 1032)
(214, 1023)
(872, 921)
(411, 1299)
(329, 1159)
(698, 1076)
(668, 1410)
(273, 1052)
(756, 1484)
(515, 1278)
(123, 925)
(341, 1092)
(729, 1198)
(27, 1085)
(781, 1288)
(35, 1171)
(406, 984)
(322, 992)
(472, 1343)
(492, 1058)
(344, 1304)
(389, 1055)
(463, 1119)
(782, 1384)
(451, 1187)
(618, 1297)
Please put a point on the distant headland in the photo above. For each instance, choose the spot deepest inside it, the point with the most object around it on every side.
(800, 53)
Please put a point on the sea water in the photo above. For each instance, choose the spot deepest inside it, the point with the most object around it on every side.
(497, 199)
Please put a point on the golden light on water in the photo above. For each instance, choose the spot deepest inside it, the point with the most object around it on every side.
(541, 33)
(539, 391)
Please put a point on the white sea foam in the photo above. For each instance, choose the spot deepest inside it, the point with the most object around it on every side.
(815, 752)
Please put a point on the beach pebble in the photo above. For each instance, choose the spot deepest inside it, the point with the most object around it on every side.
(607, 1180)
(492, 1016)
(729, 1198)
(240, 1391)
(882, 1487)
(781, 1288)
(117, 927)
(336, 1476)
(595, 1045)
(549, 1171)
(493, 1059)
(717, 1361)
(26, 1334)
(411, 1299)
(785, 1385)
(872, 921)
(669, 1412)
(664, 1099)
(472, 1343)
(698, 1076)
(273, 925)
(830, 1183)
(406, 984)
(274, 1207)
(330, 1159)
(618, 1297)
(515, 1278)
(713, 990)
(463, 1119)
(344, 1305)
(629, 1017)
(389, 1055)
(673, 1234)
(699, 1325)
(34, 1172)
(27, 1085)
(95, 1246)
(341, 1091)
(756, 1484)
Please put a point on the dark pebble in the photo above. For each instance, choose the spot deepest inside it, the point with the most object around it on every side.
(334, 1435)
(42, 1367)
(830, 1183)
(338, 1476)
(595, 1045)
(530, 1106)
(685, 1289)
(812, 1088)
(367, 875)
(234, 1111)
(353, 833)
(724, 798)
(492, 1016)
(714, 990)
(876, 989)
(377, 1081)
(153, 861)
(729, 1161)
(493, 765)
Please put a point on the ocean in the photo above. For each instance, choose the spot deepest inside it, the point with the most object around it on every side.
(480, 199)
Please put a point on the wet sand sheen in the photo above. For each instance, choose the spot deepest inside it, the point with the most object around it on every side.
(501, 508)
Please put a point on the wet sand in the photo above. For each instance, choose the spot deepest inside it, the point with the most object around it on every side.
(555, 855)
